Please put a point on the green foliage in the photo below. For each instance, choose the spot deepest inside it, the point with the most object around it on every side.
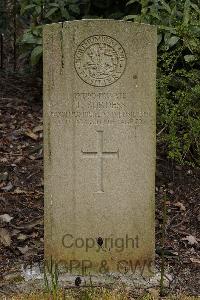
(32, 43)
(178, 84)
(3, 19)
(178, 99)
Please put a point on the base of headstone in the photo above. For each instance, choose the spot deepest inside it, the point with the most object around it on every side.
(32, 280)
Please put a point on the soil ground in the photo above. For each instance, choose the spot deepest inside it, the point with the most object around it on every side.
(21, 192)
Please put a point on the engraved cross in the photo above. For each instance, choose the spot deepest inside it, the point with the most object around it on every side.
(100, 155)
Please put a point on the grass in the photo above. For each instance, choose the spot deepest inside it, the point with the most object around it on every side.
(96, 294)
(53, 291)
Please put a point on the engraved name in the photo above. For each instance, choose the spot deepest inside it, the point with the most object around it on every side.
(100, 101)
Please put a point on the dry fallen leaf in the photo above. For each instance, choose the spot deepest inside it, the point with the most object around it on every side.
(32, 157)
(5, 238)
(190, 239)
(31, 134)
(3, 176)
(15, 232)
(19, 191)
(180, 205)
(8, 187)
(38, 128)
(198, 217)
(3, 160)
(24, 249)
(22, 237)
(6, 218)
(154, 293)
(34, 235)
(195, 260)
(18, 160)
(30, 225)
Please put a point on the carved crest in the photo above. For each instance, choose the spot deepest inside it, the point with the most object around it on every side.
(100, 60)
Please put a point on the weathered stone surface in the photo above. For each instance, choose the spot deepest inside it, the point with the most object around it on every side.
(99, 139)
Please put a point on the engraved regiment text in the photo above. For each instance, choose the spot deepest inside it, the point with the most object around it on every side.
(100, 109)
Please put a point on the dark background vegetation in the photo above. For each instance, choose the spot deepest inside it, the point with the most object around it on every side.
(178, 128)
(178, 72)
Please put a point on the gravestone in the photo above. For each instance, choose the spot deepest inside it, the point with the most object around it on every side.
(99, 145)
